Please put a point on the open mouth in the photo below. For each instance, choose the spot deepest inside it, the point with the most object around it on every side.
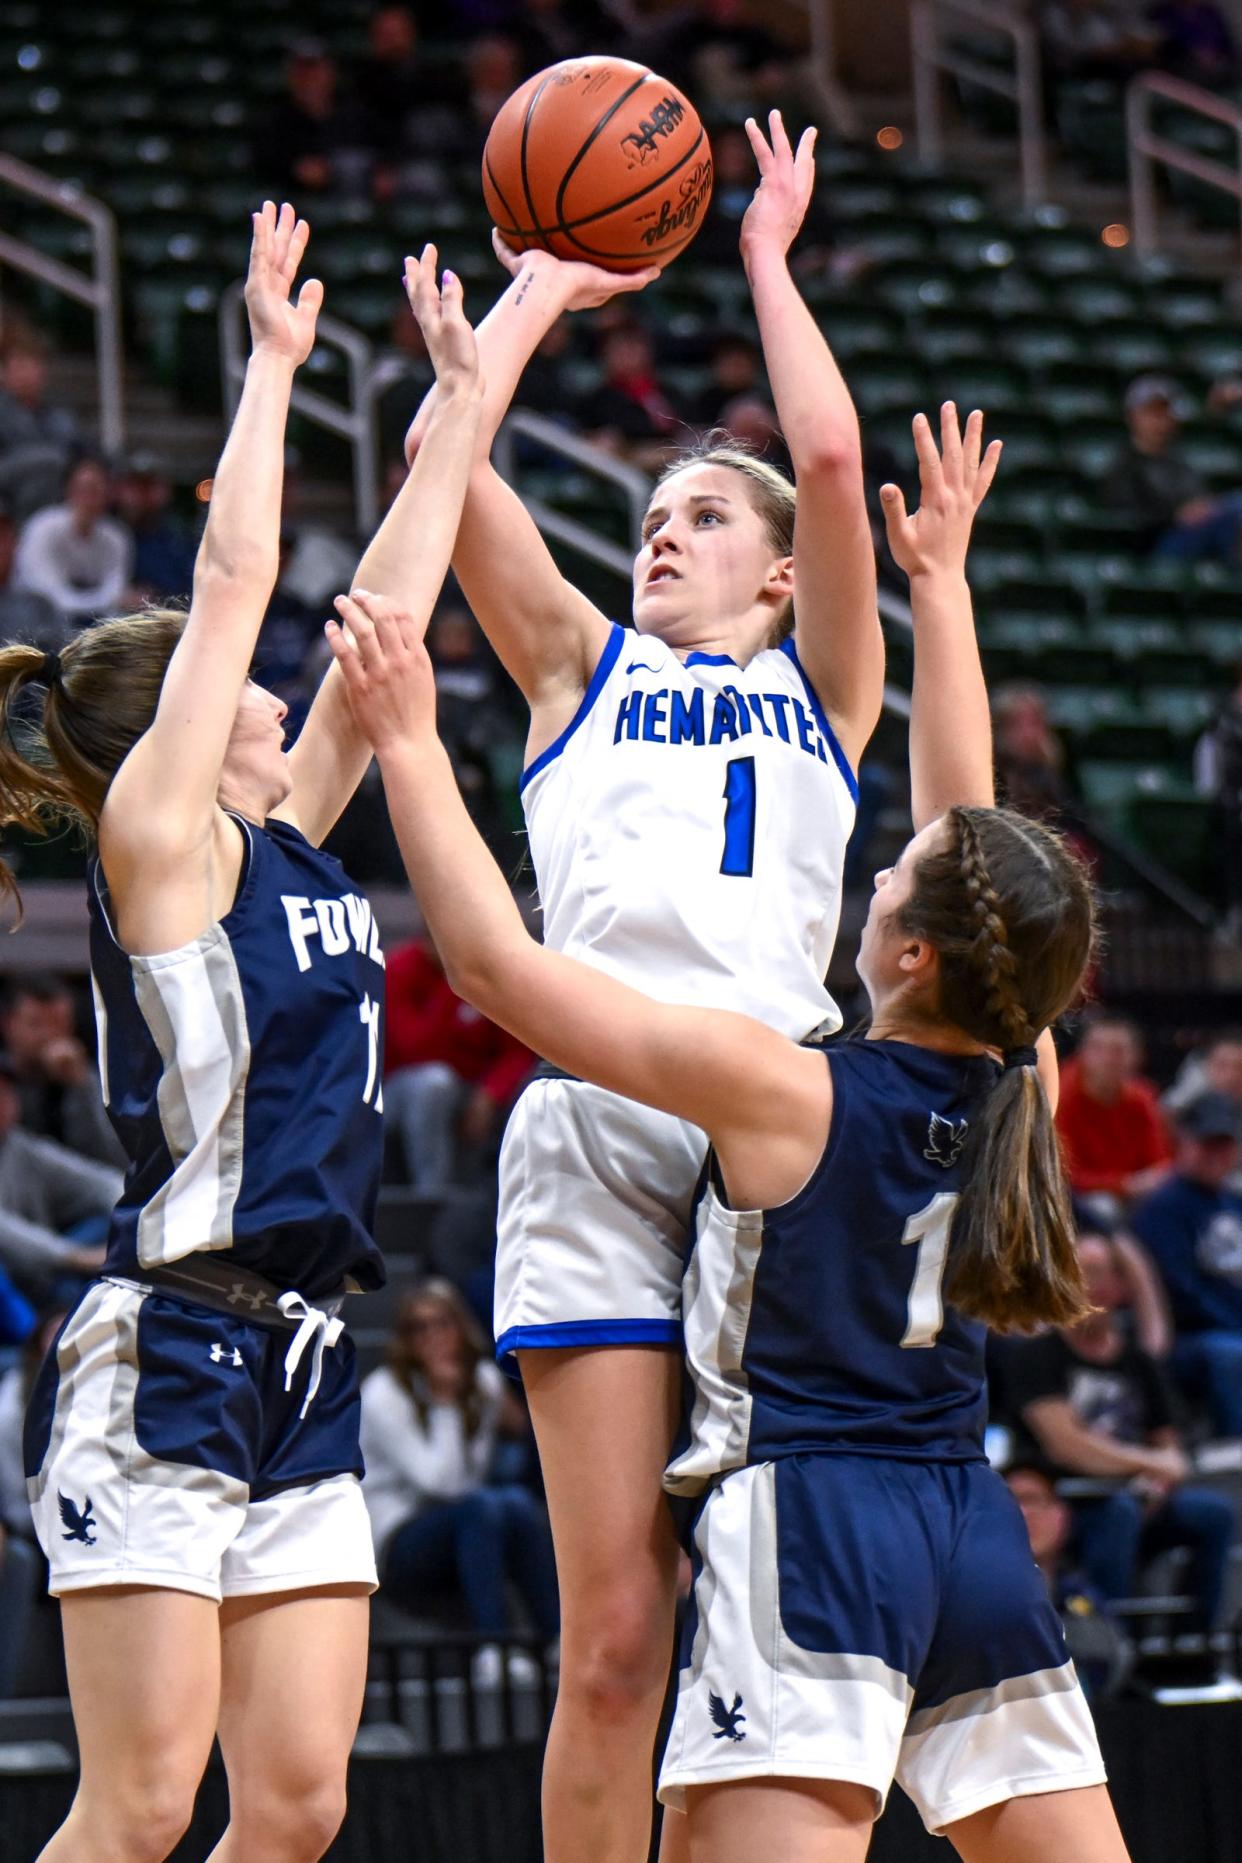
(662, 573)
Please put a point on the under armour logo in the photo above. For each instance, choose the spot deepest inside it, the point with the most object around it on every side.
(78, 1521)
(945, 1140)
(225, 1355)
(240, 1294)
(726, 1719)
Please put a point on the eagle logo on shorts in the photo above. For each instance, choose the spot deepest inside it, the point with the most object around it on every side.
(726, 1719)
(78, 1521)
(945, 1140)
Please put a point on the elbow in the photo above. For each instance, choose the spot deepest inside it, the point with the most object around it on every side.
(472, 976)
(832, 456)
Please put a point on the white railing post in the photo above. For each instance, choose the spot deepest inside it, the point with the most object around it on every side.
(1146, 148)
(1023, 85)
(99, 289)
(356, 421)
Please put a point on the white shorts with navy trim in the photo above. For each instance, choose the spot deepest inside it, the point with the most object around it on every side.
(595, 1201)
(866, 1619)
(162, 1449)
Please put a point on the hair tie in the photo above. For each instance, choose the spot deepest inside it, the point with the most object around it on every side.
(49, 669)
(1019, 1057)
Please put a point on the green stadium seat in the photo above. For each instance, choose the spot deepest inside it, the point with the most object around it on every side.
(1130, 733)
(1180, 830)
(886, 235)
(1213, 449)
(1139, 599)
(1037, 341)
(1092, 532)
(1030, 437)
(1007, 291)
(863, 329)
(1183, 712)
(1090, 444)
(1078, 391)
(883, 383)
(915, 284)
(1219, 642)
(1184, 303)
(1043, 600)
(1091, 300)
(1131, 345)
(1062, 251)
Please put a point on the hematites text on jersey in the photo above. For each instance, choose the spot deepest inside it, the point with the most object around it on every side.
(668, 716)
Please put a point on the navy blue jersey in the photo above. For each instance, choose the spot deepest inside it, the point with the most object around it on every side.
(820, 1326)
(242, 1075)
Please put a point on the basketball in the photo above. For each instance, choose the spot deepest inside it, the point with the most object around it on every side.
(598, 159)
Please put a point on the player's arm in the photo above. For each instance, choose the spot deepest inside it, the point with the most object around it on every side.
(409, 555)
(837, 629)
(162, 802)
(950, 718)
(547, 634)
(762, 1099)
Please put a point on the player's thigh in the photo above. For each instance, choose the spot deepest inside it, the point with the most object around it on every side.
(797, 1820)
(144, 1680)
(293, 1670)
(604, 1421)
(1079, 1824)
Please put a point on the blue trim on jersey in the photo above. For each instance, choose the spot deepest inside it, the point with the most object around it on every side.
(584, 1333)
(607, 660)
(710, 659)
(821, 718)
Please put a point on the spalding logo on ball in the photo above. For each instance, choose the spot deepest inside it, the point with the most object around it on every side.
(598, 159)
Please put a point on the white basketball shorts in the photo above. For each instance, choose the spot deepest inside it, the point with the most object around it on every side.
(596, 1194)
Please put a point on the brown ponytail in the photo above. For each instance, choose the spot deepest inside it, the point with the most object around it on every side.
(58, 759)
(1010, 912)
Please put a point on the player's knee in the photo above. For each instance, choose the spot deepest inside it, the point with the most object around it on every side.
(291, 1819)
(143, 1820)
(615, 1663)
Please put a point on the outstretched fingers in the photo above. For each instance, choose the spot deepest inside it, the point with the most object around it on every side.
(758, 142)
(931, 471)
(951, 445)
(987, 472)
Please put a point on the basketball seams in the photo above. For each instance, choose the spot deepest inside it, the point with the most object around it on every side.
(567, 227)
(527, 120)
(499, 192)
(589, 143)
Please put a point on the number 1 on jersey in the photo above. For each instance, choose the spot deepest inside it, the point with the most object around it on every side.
(739, 822)
(929, 1228)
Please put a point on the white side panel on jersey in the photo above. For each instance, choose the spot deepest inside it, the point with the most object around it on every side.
(717, 1295)
(192, 1003)
(101, 1033)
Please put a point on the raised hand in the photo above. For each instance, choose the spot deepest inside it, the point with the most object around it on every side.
(442, 320)
(388, 676)
(583, 287)
(278, 325)
(953, 484)
(786, 181)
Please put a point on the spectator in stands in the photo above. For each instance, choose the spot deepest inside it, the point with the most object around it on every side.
(1216, 1067)
(315, 561)
(1097, 1405)
(396, 82)
(57, 1082)
(1195, 41)
(493, 72)
(1192, 1228)
(24, 615)
(312, 140)
(1100, 1652)
(1029, 757)
(54, 1205)
(74, 553)
(1149, 478)
(1112, 1133)
(630, 413)
(430, 1421)
(1218, 776)
(164, 549)
(37, 438)
(736, 364)
(448, 1071)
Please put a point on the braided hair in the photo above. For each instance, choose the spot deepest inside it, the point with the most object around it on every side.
(1009, 911)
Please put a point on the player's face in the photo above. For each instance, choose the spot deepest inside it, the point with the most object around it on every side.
(255, 776)
(883, 939)
(706, 559)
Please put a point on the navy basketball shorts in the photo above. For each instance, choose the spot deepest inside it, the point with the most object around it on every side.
(162, 1448)
(870, 1619)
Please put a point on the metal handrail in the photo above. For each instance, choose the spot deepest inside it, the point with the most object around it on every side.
(635, 485)
(932, 58)
(355, 421)
(1146, 148)
(100, 290)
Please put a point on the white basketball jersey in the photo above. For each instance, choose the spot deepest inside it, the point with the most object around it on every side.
(688, 830)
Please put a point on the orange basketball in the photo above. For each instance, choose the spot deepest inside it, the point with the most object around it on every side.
(601, 160)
